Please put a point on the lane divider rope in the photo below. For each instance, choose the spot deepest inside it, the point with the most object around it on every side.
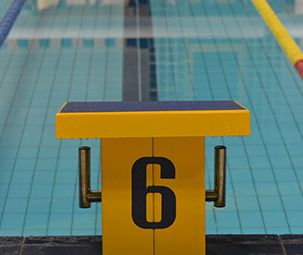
(9, 19)
(287, 43)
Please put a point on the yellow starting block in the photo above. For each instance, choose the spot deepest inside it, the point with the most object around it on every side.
(152, 161)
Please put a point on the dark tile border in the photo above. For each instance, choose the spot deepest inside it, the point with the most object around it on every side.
(10, 245)
(62, 245)
(243, 245)
(293, 244)
(92, 245)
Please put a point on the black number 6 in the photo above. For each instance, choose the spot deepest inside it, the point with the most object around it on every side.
(139, 192)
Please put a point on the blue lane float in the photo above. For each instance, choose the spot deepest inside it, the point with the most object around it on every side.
(9, 19)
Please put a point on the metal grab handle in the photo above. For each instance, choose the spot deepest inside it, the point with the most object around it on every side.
(86, 195)
(218, 195)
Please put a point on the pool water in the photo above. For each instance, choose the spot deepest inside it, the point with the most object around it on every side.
(65, 50)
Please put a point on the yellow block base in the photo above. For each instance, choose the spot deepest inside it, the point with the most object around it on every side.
(153, 196)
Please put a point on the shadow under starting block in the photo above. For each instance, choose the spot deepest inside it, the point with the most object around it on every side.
(153, 169)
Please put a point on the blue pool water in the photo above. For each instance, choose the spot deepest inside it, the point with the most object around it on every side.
(157, 50)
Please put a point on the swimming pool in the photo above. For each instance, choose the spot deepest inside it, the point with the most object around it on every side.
(148, 50)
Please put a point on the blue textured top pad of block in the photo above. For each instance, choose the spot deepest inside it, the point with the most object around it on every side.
(150, 106)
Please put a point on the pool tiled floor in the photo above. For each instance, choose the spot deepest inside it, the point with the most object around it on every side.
(182, 50)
